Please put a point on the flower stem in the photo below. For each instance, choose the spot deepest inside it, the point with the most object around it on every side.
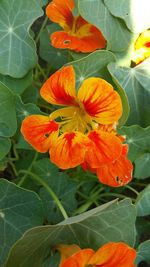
(132, 189)
(42, 27)
(49, 190)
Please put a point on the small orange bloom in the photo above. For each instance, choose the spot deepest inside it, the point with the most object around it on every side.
(84, 133)
(77, 34)
(110, 255)
(142, 47)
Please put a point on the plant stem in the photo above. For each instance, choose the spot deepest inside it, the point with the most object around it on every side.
(49, 190)
(132, 189)
(40, 31)
(42, 72)
(29, 169)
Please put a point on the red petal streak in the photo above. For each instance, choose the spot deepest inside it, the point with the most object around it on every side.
(117, 173)
(61, 12)
(106, 147)
(100, 100)
(38, 131)
(59, 89)
(69, 150)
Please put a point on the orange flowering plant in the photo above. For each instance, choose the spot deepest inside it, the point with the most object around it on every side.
(86, 133)
(74, 133)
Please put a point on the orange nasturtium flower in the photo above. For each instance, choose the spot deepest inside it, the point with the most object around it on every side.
(109, 255)
(142, 47)
(77, 33)
(79, 133)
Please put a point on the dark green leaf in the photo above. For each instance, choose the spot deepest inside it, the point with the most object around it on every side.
(19, 210)
(143, 202)
(8, 123)
(143, 252)
(142, 166)
(63, 187)
(5, 145)
(110, 222)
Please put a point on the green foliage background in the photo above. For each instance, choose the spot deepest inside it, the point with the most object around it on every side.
(31, 222)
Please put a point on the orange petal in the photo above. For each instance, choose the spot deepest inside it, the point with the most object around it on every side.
(66, 251)
(79, 259)
(114, 255)
(106, 147)
(61, 12)
(117, 173)
(69, 150)
(59, 89)
(63, 40)
(38, 131)
(100, 100)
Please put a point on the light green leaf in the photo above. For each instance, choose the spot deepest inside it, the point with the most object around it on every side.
(136, 83)
(143, 252)
(134, 13)
(142, 166)
(19, 210)
(55, 57)
(115, 31)
(17, 48)
(63, 187)
(110, 222)
(138, 139)
(143, 202)
(5, 145)
(8, 123)
(92, 65)
(17, 86)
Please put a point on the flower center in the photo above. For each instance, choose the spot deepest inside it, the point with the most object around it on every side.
(73, 119)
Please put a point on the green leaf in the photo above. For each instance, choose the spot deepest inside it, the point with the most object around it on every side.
(92, 65)
(134, 13)
(143, 252)
(138, 139)
(110, 222)
(142, 166)
(5, 145)
(115, 31)
(17, 48)
(8, 123)
(142, 202)
(17, 86)
(55, 57)
(136, 83)
(63, 187)
(19, 210)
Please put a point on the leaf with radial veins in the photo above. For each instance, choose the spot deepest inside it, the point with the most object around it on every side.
(17, 48)
(110, 222)
(136, 83)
